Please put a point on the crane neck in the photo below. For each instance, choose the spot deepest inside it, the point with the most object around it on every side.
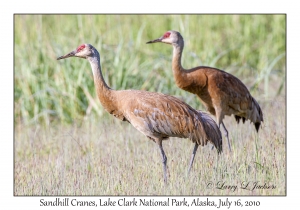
(105, 94)
(178, 71)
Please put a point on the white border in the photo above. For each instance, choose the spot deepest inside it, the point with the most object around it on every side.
(8, 201)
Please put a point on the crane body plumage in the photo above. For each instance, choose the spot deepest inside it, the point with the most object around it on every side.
(220, 92)
(156, 115)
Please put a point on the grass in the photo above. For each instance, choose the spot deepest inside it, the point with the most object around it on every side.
(66, 144)
(252, 47)
(109, 157)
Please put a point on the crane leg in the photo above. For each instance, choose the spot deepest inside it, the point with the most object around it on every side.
(226, 135)
(193, 156)
(164, 161)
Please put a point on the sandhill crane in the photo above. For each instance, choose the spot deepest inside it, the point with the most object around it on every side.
(220, 92)
(157, 116)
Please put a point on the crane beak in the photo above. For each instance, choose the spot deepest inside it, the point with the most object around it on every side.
(71, 54)
(155, 40)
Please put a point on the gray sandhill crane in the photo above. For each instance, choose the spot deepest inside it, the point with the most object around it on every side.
(220, 92)
(157, 116)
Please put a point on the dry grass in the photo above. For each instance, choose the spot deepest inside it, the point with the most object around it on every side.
(109, 157)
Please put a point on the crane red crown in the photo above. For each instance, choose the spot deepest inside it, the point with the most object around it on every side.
(81, 47)
(167, 34)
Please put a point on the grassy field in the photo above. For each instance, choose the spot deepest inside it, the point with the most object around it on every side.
(66, 144)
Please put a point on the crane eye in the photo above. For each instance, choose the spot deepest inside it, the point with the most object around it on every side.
(81, 47)
(167, 34)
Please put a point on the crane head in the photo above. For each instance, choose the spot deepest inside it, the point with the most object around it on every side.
(83, 51)
(170, 37)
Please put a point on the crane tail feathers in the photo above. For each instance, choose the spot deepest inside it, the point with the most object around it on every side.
(257, 116)
(212, 131)
(237, 118)
(257, 126)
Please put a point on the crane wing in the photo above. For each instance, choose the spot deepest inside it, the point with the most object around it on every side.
(162, 116)
(233, 96)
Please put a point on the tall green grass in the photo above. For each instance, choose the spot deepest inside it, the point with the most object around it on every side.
(252, 47)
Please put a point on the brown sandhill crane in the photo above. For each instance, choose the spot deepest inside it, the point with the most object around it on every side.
(220, 92)
(157, 116)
